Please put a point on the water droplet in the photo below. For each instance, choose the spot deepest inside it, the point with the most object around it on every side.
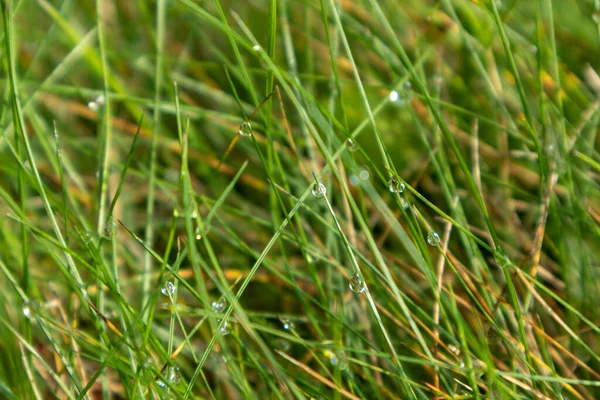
(30, 308)
(433, 239)
(198, 234)
(284, 344)
(245, 129)
(333, 358)
(168, 289)
(288, 325)
(225, 328)
(173, 376)
(342, 359)
(395, 186)
(356, 284)
(109, 228)
(351, 145)
(354, 181)
(219, 306)
(194, 214)
(454, 349)
(532, 49)
(256, 47)
(402, 97)
(364, 174)
(161, 384)
(147, 362)
(87, 237)
(478, 364)
(319, 190)
(92, 105)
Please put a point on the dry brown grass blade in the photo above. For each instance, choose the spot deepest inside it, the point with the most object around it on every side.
(317, 376)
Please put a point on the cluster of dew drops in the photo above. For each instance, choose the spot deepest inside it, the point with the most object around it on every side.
(318, 190)
(219, 306)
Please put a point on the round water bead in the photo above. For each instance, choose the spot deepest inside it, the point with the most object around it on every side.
(109, 228)
(433, 239)
(168, 289)
(219, 306)
(225, 329)
(454, 349)
(319, 190)
(288, 325)
(351, 145)
(393, 96)
(173, 375)
(364, 174)
(147, 362)
(245, 129)
(333, 358)
(356, 284)
(342, 359)
(161, 384)
(30, 308)
(284, 344)
(395, 186)
(92, 105)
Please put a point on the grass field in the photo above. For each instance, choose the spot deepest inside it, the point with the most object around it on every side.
(306, 199)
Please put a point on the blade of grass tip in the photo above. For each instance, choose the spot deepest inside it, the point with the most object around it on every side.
(158, 83)
(113, 203)
(358, 273)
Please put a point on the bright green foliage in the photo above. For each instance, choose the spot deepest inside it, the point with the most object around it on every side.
(361, 199)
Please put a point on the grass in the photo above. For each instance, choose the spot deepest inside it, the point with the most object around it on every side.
(149, 250)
